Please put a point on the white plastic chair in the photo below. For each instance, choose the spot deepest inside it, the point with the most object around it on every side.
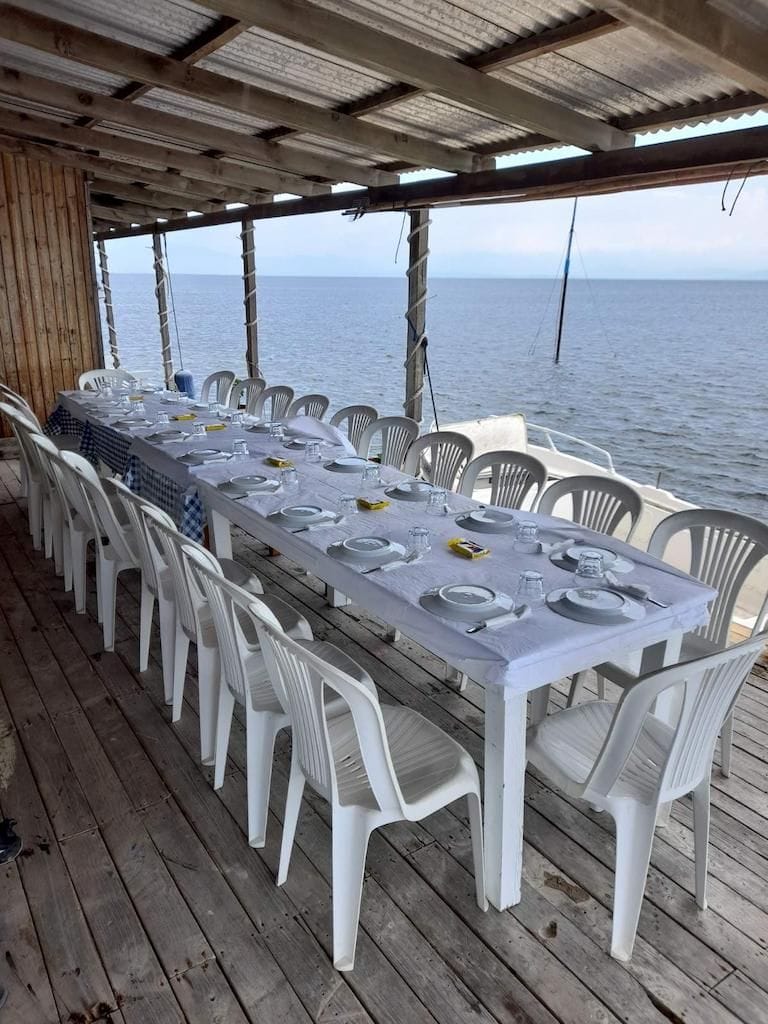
(114, 542)
(440, 457)
(724, 549)
(624, 760)
(77, 526)
(512, 477)
(246, 392)
(309, 405)
(220, 383)
(397, 435)
(598, 502)
(24, 425)
(375, 764)
(95, 380)
(354, 419)
(273, 403)
(52, 507)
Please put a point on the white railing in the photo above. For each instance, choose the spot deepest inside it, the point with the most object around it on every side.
(592, 449)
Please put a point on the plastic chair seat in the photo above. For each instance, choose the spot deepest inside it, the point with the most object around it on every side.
(423, 757)
(566, 745)
(292, 621)
(241, 575)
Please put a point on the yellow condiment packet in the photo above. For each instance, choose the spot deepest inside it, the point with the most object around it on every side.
(275, 460)
(215, 426)
(372, 505)
(135, 398)
(467, 548)
(184, 416)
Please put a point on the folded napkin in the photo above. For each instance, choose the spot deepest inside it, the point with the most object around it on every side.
(309, 426)
(513, 615)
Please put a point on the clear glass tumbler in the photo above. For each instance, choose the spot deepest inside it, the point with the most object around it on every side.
(437, 503)
(530, 588)
(418, 540)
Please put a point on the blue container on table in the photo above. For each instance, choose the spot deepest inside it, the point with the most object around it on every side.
(185, 382)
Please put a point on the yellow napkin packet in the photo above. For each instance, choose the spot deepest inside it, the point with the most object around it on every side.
(371, 505)
(467, 548)
(135, 398)
(275, 460)
(184, 416)
(215, 426)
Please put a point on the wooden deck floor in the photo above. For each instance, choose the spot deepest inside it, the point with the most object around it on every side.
(138, 900)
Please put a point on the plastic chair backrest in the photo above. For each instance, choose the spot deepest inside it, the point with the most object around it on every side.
(246, 391)
(725, 548)
(18, 402)
(309, 405)
(599, 502)
(356, 418)
(513, 475)
(228, 604)
(150, 556)
(69, 487)
(102, 514)
(710, 686)
(44, 449)
(23, 425)
(440, 456)
(300, 676)
(95, 380)
(278, 398)
(221, 383)
(397, 435)
(189, 600)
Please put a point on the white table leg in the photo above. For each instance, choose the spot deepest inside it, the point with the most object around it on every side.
(335, 598)
(220, 535)
(505, 719)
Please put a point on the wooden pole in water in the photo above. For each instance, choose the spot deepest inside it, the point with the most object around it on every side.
(161, 290)
(416, 315)
(108, 308)
(249, 298)
(564, 288)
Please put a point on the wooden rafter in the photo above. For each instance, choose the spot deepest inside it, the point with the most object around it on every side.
(286, 159)
(165, 180)
(52, 36)
(704, 34)
(140, 212)
(385, 54)
(202, 167)
(139, 194)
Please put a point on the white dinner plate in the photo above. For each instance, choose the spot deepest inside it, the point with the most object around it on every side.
(466, 602)
(298, 515)
(575, 552)
(348, 464)
(302, 442)
(606, 608)
(569, 559)
(164, 436)
(410, 490)
(487, 520)
(369, 551)
(132, 422)
(232, 490)
(200, 456)
(250, 482)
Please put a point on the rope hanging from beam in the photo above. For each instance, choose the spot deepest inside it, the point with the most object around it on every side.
(108, 307)
(419, 300)
(247, 253)
(161, 291)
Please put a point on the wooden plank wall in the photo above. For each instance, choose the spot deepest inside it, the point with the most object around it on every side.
(49, 325)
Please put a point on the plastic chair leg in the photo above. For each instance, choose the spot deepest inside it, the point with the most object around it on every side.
(47, 527)
(296, 784)
(57, 525)
(145, 630)
(223, 727)
(66, 554)
(180, 652)
(107, 571)
(577, 685)
(261, 728)
(476, 828)
(35, 511)
(726, 746)
(600, 687)
(78, 548)
(635, 825)
(350, 834)
(701, 840)
(167, 616)
(208, 682)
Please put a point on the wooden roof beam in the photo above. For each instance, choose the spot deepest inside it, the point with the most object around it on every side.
(139, 212)
(349, 40)
(166, 180)
(62, 39)
(199, 133)
(202, 167)
(704, 34)
(139, 194)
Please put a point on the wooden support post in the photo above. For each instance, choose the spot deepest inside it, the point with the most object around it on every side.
(108, 308)
(161, 290)
(416, 315)
(249, 298)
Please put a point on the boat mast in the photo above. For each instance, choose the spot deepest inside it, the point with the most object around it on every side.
(564, 287)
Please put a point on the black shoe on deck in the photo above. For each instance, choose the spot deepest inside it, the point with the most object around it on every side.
(10, 843)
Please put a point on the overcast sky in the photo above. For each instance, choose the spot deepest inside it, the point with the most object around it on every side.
(670, 233)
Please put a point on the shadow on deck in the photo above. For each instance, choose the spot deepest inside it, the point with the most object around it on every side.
(137, 898)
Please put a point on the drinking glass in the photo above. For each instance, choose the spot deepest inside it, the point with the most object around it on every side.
(289, 478)
(437, 502)
(530, 588)
(312, 451)
(139, 409)
(372, 475)
(237, 419)
(276, 431)
(213, 408)
(418, 541)
(163, 421)
(199, 429)
(348, 505)
(589, 572)
(240, 448)
(526, 537)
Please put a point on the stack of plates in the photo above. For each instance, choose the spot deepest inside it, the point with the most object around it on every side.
(368, 551)
(239, 486)
(348, 464)
(599, 606)
(466, 602)
(297, 516)
(199, 456)
(410, 490)
(302, 442)
(487, 520)
(569, 558)
(164, 436)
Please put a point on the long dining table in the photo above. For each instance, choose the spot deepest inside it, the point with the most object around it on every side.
(519, 659)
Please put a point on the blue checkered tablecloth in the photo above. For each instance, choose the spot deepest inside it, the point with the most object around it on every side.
(100, 443)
